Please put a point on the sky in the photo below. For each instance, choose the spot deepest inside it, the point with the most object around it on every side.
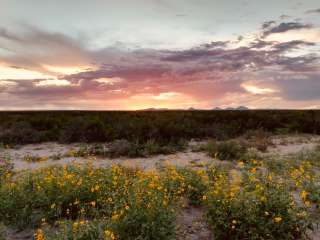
(176, 54)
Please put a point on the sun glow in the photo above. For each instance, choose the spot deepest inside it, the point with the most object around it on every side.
(65, 70)
(13, 73)
(4, 83)
(109, 81)
(53, 82)
(258, 90)
(166, 96)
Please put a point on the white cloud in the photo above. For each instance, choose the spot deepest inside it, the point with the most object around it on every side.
(258, 90)
(109, 81)
(166, 96)
(53, 82)
(10, 73)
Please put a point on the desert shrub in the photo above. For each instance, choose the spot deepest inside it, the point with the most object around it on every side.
(83, 151)
(121, 147)
(56, 156)
(137, 224)
(311, 192)
(21, 133)
(228, 150)
(282, 131)
(134, 202)
(6, 168)
(98, 150)
(170, 126)
(196, 185)
(152, 147)
(258, 208)
(34, 158)
(259, 139)
(82, 129)
(303, 177)
(3, 232)
(275, 164)
(69, 230)
(105, 230)
(312, 156)
(136, 149)
(262, 144)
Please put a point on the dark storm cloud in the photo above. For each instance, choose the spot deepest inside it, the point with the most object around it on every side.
(313, 11)
(305, 88)
(287, 46)
(267, 24)
(241, 58)
(270, 27)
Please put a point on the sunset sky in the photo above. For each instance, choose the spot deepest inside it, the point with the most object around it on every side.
(177, 54)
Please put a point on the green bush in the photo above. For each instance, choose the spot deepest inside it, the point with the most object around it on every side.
(3, 232)
(228, 150)
(132, 203)
(196, 183)
(140, 126)
(6, 168)
(34, 158)
(21, 132)
(258, 208)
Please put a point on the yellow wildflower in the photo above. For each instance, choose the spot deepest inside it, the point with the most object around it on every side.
(39, 235)
(277, 219)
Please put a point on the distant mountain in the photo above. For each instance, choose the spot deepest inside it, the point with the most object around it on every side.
(240, 108)
(154, 109)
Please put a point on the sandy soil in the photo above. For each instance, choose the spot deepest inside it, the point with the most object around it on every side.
(191, 225)
(291, 144)
(50, 149)
(282, 145)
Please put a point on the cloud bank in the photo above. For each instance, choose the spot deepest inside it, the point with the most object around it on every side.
(63, 72)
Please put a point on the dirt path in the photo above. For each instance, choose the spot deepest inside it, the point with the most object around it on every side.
(191, 225)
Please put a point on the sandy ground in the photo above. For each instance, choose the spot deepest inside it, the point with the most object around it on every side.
(282, 145)
(191, 225)
(50, 149)
(285, 145)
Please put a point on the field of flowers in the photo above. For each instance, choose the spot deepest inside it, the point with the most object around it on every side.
(254, 199)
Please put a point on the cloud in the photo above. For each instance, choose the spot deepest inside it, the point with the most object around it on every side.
(257, 90)
(271, 28)
(203, 75)
(35, 49)
(46, 83)
(301, 88)
(313, 11)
